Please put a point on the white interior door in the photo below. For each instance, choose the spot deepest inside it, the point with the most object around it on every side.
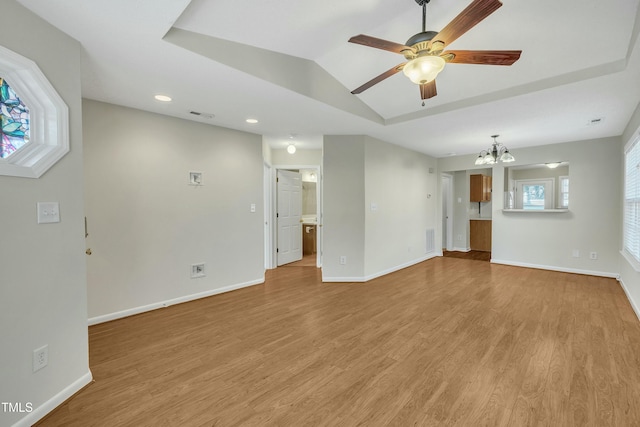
(289, 216)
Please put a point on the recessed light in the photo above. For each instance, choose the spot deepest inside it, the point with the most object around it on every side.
(252, 121)
(163, 98)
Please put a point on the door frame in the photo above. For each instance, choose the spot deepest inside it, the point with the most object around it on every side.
(447, 206)
(271, 191)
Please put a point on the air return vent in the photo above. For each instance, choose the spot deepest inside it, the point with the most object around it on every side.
(431, 240)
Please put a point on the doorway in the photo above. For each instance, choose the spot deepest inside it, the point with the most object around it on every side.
(279, 247)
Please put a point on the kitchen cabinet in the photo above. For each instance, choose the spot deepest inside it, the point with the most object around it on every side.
(480, 235)
(480, 188)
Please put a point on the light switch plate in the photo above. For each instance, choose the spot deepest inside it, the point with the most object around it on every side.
(48, 212)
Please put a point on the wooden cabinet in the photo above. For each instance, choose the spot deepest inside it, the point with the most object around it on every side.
(308, 239)
(480, 235)
(480, 188)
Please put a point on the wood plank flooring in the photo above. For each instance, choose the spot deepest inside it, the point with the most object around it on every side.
(446, 342)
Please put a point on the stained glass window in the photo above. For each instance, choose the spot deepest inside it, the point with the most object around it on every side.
(14, 117)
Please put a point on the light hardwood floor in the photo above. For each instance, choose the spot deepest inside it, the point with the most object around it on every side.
(445, 342)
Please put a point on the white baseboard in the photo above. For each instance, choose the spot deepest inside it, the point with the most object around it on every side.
(137, 310)
(635, 306)
(555, 268)
(41, 411)
(456, 249)
(360, 279)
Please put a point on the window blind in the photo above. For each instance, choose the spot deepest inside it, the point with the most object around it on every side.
(631, 232)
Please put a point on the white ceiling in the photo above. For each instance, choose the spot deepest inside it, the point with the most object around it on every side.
(580, 61)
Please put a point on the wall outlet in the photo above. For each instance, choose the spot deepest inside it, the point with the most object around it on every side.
(460, 237)
(575, 253)
(198, 270)
(40, 357)
(343, 260)
(593, 255)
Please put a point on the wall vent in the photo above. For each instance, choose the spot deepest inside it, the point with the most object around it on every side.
(431, 240)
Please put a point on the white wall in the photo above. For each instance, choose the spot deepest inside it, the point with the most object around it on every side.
(42, 267)
(343, 206)
(148, 226)
(546, 240)
(280, 157)
(360, 171)
(461, 211)
(403, 191)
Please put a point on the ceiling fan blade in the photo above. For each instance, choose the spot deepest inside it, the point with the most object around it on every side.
(467, 19)
(378, 79)
(428, 90)
(487, 57)
(379, 43)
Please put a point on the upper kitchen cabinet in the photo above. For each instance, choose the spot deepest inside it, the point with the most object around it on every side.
(480, 188)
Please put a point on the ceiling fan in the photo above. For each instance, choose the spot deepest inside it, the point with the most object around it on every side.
(425, 52)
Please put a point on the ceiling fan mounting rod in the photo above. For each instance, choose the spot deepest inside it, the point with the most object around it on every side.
(423, 3)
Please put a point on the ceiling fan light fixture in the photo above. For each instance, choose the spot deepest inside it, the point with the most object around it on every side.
(423, 69)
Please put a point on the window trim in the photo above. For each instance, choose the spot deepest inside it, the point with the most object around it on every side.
(627, 251)
(561, 178)
(549, 192)
(49, 118)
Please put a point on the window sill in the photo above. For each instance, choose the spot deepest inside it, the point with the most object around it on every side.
(631, 260)
(536, 210)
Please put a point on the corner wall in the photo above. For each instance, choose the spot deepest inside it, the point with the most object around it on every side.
(379, 201)
(147, 225)
(42, 266)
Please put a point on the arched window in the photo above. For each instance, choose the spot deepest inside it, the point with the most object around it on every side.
(34, 127)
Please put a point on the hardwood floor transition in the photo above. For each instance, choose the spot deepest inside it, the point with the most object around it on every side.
(445, 342)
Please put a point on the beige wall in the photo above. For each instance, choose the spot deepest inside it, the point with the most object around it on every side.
(42, 266)
(148, 226)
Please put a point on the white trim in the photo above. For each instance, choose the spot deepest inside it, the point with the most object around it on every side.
(41, 411)
(634, 306)
(163, 304)
(555, 268)
(383, 272)
(457, 249)
(633, 262)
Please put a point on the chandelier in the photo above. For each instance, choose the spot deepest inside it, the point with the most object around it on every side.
(494, 154)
